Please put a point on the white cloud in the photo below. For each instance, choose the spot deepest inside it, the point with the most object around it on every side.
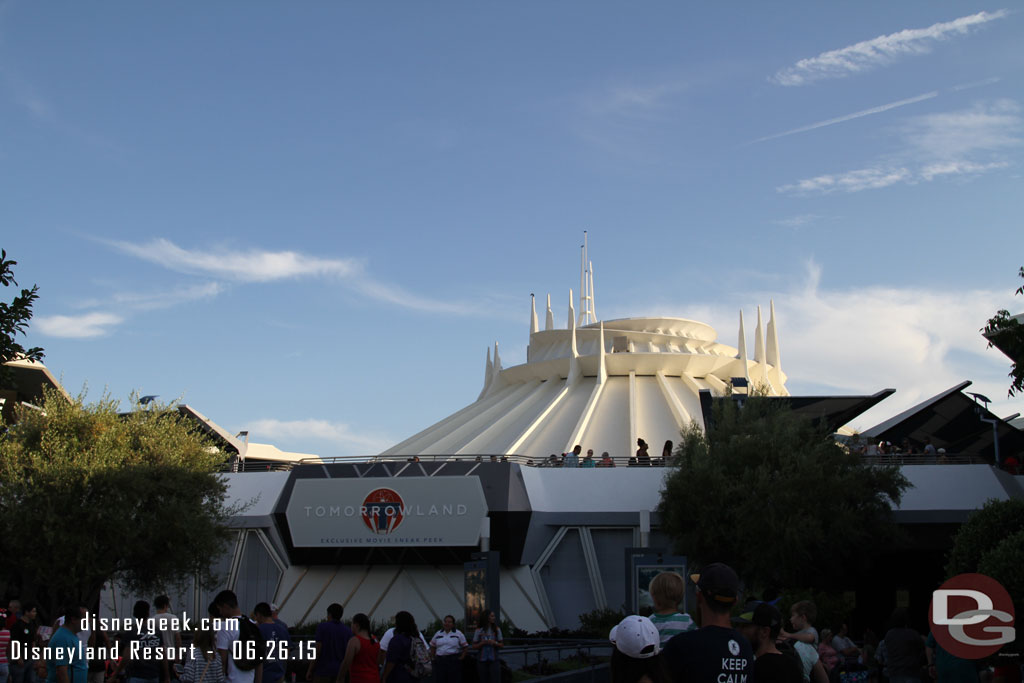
(255, 265)
(883, 50)
(918, 341)
(851, 181)
(246, 266)
(148, 301)
(95, 324)
(985, 127)
(797, 221)
(849, 117)
(966, 142)
(860, 340)
(336, 434)
(933, 171)
(636, 99)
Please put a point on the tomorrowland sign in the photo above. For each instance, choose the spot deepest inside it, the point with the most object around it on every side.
(386, 511)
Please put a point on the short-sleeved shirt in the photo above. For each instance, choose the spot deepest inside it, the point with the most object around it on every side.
(448, 642)
(23, 632)
(813, 631)
(713, 654)
(273, 633)
(669, 625)
(67, 651)
(332, 639)
(143, 665)
(166, 622)
(223, 642)
(775, 667)
(400, 652)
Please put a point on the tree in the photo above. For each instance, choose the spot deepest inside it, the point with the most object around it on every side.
(14, 319)
(1007, 333)
(91, 495)
(773, 495)
(991, 542)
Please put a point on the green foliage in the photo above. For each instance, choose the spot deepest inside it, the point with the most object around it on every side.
(775, 497)
(1004, 330)
(14, 319)
(991, 542)
(90, 495)
(984, 530)
(599, 622)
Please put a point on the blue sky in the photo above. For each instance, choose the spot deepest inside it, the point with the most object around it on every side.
(310, 220)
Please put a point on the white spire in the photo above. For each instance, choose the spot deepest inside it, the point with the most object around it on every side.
(760, 373)
(572, 312)
(742, 345)
(534, 326)
(587, 315)
(549, 321)
(583, 280)
(602, 370)
(773, 339)
(759, 339)
(488, 375)
(496, 370)
(593, 298)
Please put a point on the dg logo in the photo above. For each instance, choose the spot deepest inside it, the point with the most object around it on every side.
(972, 616)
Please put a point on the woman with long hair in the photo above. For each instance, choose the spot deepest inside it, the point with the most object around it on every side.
(360, 654)
(398, 666)
(487, 641)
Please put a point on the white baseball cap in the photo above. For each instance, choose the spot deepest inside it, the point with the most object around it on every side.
(636, 636)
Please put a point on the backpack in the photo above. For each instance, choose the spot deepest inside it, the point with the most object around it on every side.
(420, 656)
(252, 645)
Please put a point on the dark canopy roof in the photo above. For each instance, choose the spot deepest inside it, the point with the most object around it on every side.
(834, 410)
(952, 420)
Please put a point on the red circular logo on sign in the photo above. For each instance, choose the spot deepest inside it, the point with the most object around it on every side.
(971, 616)
(382, 511)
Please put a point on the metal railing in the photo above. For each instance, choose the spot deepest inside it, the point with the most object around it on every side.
(265, 466)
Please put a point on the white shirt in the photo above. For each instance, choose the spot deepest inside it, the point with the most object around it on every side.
(385, 639)
(223, 642)
(448, 642)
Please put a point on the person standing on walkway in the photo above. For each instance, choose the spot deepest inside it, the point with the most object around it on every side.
(487, 641)
(448, 648)
(361, 654)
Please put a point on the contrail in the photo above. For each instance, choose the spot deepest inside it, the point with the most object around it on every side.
(855, 115)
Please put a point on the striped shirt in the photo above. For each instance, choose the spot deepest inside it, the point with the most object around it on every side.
(669, 625)
(5, 644)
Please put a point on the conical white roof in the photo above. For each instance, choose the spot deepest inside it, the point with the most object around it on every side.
(602, 386)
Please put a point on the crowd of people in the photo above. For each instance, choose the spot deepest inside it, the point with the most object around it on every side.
(576, 458)
(751, 644)
(229, 646)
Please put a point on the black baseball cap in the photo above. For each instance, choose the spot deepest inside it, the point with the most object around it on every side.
(760, 614)
(718, 582)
